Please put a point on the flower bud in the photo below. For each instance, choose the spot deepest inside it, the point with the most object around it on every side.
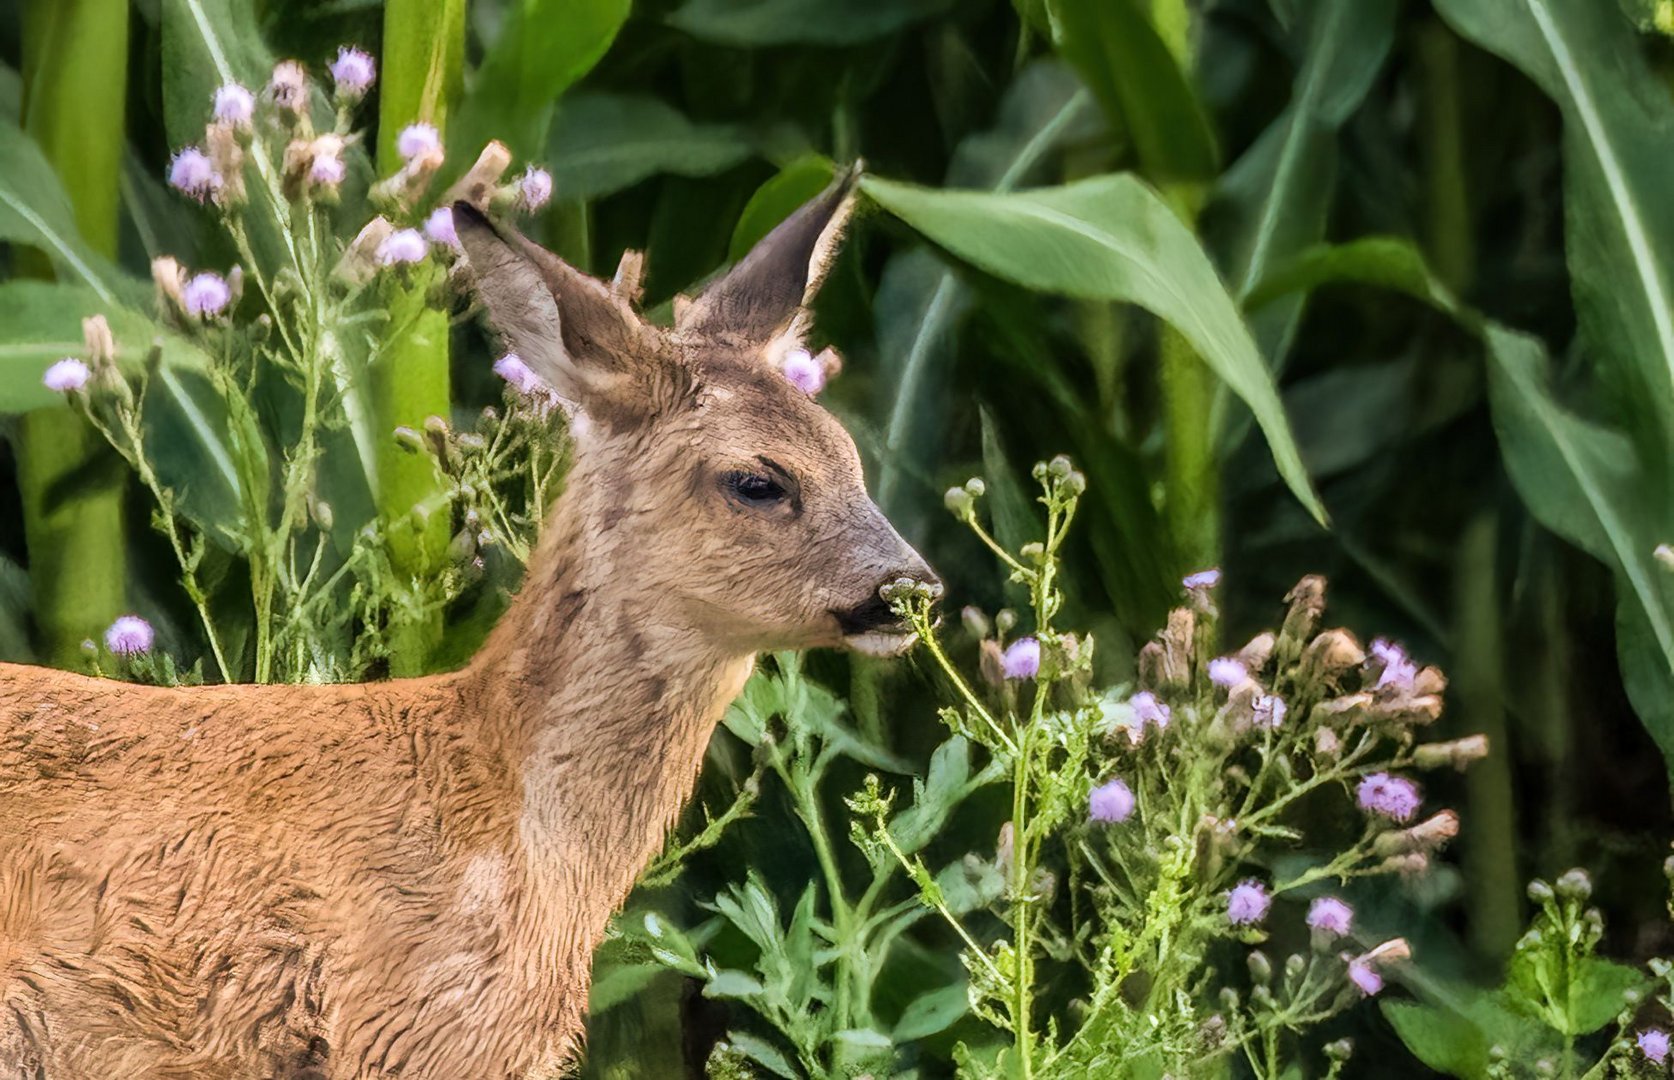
(1076, 483)
(1005, 620)
(1409, 865)
(975, 621)
(288, 88)
(1457, 753)
(1326, 743)
(1574, 884)
(959, 503)
(1339, 1050)
(1033, 551)
(1060, 467)
(991, 662)
(1295, 964)
(976, 487)
(1261, 971)
(1539, 891)
(359, 263)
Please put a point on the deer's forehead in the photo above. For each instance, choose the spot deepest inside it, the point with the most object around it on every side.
(772, 418)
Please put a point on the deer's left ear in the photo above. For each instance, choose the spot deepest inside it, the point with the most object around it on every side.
(763, 300)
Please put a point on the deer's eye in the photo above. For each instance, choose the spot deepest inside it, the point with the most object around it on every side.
(754, 489)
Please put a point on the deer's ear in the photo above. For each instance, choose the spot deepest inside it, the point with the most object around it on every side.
(569, 328)
(764, 297)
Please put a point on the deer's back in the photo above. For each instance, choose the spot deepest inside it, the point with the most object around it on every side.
(239, 881)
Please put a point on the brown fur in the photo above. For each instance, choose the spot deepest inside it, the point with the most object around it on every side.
(407, 879)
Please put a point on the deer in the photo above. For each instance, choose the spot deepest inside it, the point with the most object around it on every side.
(406, 879)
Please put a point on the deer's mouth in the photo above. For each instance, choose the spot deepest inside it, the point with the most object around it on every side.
(874, 630)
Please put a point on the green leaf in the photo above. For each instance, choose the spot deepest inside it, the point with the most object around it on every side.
(1387, 262)
(1118, 52)
(35, 211)
(763, 1053)
(790, 22)
(602, 143)
(544, 47)
(1456, 1040)
(731, 984)
(933, 1012)
(1109, 238)
(206, 43)
(1599, 992)
(42, 321)
(1583, 481)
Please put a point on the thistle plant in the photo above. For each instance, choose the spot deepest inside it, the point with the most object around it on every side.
(269, 360)
(1157, 842)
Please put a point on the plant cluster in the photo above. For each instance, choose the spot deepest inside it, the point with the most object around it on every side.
(1152, 904)
(279, 398)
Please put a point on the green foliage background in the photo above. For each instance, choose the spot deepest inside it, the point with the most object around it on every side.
(1378, 289)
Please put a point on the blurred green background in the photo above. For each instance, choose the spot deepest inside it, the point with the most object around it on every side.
(1447, 228)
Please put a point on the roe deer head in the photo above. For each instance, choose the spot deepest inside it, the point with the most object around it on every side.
(407, 879)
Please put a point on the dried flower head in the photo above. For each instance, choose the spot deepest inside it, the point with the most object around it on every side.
(206, 296)
(1330, 915)
(288, 87)
(192, 173)
(129, 635)
(1110, 803)
(234, 105)
(66, 375)
(1021, 659)
(1247, 903)
(352, 73)
(805, 373)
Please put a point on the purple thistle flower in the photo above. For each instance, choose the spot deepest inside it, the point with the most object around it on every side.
(352, 73)
(66, 375)
(1227, 672)
(1110, 803)
(1270, 711)
(192, 173)
(1021, 660)
(1398, 669)
(234, 105)
(1394, 797)
(206, 295)
(804, 372)
(1653, 1043)
(1148, 710)
(511, 368)
(327, 171)
(129, 635)
(417, 140)
(1203, 579)
(1247, 903)
(534, 188)
(1365, 976)
(439, 227)
(1330, 915)
(402, 246)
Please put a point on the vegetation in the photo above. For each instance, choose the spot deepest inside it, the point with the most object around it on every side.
(1353, 290)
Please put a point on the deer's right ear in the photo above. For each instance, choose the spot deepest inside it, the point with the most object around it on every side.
(571, 329)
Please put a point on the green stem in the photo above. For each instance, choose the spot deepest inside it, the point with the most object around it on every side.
(75, 63)
(424, 48)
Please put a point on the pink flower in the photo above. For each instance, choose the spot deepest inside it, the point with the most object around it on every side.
(1398, 670)
(511, 368)
(352, 73)
(1365, 976)
(1111, 802)
(1247, 903)
(804, 372)
(1330, 915)
(66, 375)
(1021, 659)
(1270, 711)
(1227, 672)
(129, 635)
(192, 173)
(402, 246)
(534, 188)
(1203, 579)
(439, 227)
(289, 86)
(206, 295)
(327, 171)
(417, 140)
(1148, 710)
(1394, 797)
(234, 105)
(1653, 1043)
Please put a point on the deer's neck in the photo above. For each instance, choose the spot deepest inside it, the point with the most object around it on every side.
(610, 695)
